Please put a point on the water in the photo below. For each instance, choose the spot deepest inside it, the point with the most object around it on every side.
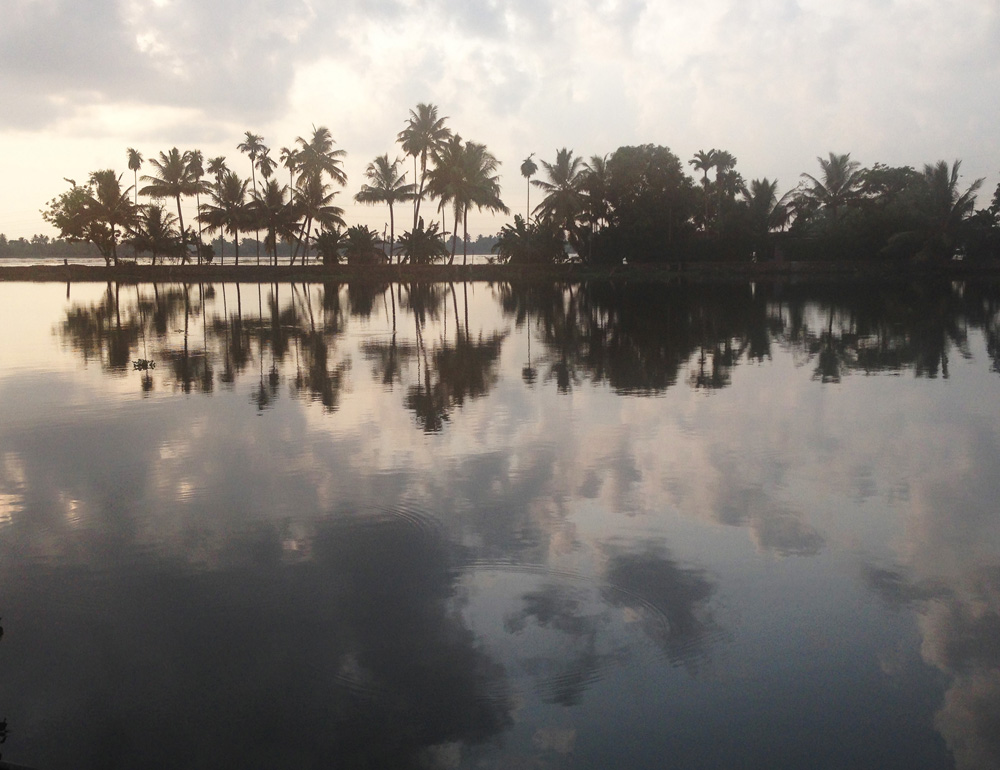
(490, 526)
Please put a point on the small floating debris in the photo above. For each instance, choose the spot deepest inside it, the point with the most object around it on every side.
(143, 364)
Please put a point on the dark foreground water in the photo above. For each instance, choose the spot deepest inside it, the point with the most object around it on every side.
(500, 527)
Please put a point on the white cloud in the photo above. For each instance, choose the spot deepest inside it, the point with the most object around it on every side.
(776, 82)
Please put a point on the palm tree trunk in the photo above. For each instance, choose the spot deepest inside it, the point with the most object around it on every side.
(180, 218)
(465, 236)
(197, 203)
(392, 233)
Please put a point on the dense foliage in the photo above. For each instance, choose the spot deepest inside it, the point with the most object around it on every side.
(638, 204)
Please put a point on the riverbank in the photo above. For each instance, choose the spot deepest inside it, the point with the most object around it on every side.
(491, 273)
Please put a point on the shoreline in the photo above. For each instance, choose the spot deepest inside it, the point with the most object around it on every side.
(672, 271)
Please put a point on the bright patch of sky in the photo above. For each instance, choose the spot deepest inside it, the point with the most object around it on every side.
(775, 82)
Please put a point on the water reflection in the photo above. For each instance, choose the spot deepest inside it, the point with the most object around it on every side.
(467, 525)
(635, 338)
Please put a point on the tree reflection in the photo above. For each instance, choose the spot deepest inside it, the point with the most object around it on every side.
(637, 339)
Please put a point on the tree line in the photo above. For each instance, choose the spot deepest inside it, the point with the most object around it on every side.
(638, 204)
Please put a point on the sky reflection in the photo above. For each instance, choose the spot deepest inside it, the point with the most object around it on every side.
(275, 556)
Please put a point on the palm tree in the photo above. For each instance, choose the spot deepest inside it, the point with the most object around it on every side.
(109, 206)
(444, 181)
(423, 137)
(387, 186)
(563, 199)
(842, 179)
(134, 164)
(422, 245)
(266, 164)
(172, 179)
(315, 204)
(464, 175)
(725, 162)
(217, 167)
(252, 146)
(227, 209)
(197, 169)
(317, 156)
(704, 162)
(290, 159)
(528, 169)
(945, 208)
(328, 245)
(156, 232)
(361, 246)
(481, 187)
(276, 214)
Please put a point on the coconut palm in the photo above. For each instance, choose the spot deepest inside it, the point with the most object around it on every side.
(316, 156)
(481, 187)
(387, 186)
(217, 167)
(156, 232)
(563, 199)
(172, 179)
(842, 179)
(315, 207)
(423, 137)
(277, 215)
(944, 208)
(444, 181)
(253, 146)
(109, 207)
(197, 168)
(464, 175)
(226, 210)
(528, 170)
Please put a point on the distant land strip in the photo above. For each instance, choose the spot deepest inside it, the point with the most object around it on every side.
(660, 271)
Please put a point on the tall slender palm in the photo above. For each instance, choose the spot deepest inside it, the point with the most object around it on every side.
(197, 168)
(842, 179)
(172, 179)
(290, 159)
(134, 164)
(252, 146)
(424, 136)
(387, 186)
(317, 156)
(266, 164)
(704, 162)
(528, 170)
(563, 199)
(226, 210)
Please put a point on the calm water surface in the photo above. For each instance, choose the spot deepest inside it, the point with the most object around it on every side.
(457, 526)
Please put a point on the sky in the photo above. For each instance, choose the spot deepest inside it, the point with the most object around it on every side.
(775, 82)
